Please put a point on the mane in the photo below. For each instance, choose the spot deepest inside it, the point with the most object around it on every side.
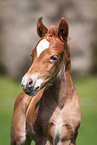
(68, 58)
(53, 29)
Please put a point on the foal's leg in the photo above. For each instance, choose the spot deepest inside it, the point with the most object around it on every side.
(41, 140)
(28, 141)
(18, 131)
(73, 142)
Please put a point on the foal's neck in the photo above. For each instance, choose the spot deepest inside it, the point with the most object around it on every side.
(62, 88)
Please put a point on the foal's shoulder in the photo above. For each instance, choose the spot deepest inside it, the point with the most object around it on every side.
(22, 98)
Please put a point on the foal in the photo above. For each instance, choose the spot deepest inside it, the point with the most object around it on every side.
(48, 109)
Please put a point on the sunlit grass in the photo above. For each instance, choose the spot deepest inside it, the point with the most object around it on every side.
(86, 87)
(8, 92)
(87, 91)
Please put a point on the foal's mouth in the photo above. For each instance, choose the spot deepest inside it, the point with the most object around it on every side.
(32, 91)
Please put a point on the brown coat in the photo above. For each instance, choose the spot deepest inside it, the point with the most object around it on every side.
(50, 114)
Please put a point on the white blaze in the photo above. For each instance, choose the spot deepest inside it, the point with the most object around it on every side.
(43, 44)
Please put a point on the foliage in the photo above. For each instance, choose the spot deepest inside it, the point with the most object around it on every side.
(87, 91)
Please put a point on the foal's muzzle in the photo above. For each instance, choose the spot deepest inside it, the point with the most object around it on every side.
(31, 85)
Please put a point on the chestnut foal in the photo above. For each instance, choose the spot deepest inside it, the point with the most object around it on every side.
(48, 109)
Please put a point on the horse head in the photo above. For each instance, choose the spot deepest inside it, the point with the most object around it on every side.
(49, 55)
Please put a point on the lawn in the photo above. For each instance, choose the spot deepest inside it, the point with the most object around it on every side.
(87, 91)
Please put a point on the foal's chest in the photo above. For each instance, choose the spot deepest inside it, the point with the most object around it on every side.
(57, 122)
(60, 125)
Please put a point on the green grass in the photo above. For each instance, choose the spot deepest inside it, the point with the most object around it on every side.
(87, 91)
(8, 92)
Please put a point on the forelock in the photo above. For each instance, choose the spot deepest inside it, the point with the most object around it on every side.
(53, 30)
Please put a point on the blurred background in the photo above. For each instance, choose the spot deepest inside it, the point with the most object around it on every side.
(18, 37)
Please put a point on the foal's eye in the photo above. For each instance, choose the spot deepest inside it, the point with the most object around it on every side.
(54, 57)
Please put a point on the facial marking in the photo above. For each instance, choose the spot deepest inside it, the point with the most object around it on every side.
(25, 79)
(43, 44)
(37, 81)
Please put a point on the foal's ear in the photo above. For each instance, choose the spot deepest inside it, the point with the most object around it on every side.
(41, 29)
(63, 29)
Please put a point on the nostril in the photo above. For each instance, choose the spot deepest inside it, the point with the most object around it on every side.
(27, 84)
(30, 82)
